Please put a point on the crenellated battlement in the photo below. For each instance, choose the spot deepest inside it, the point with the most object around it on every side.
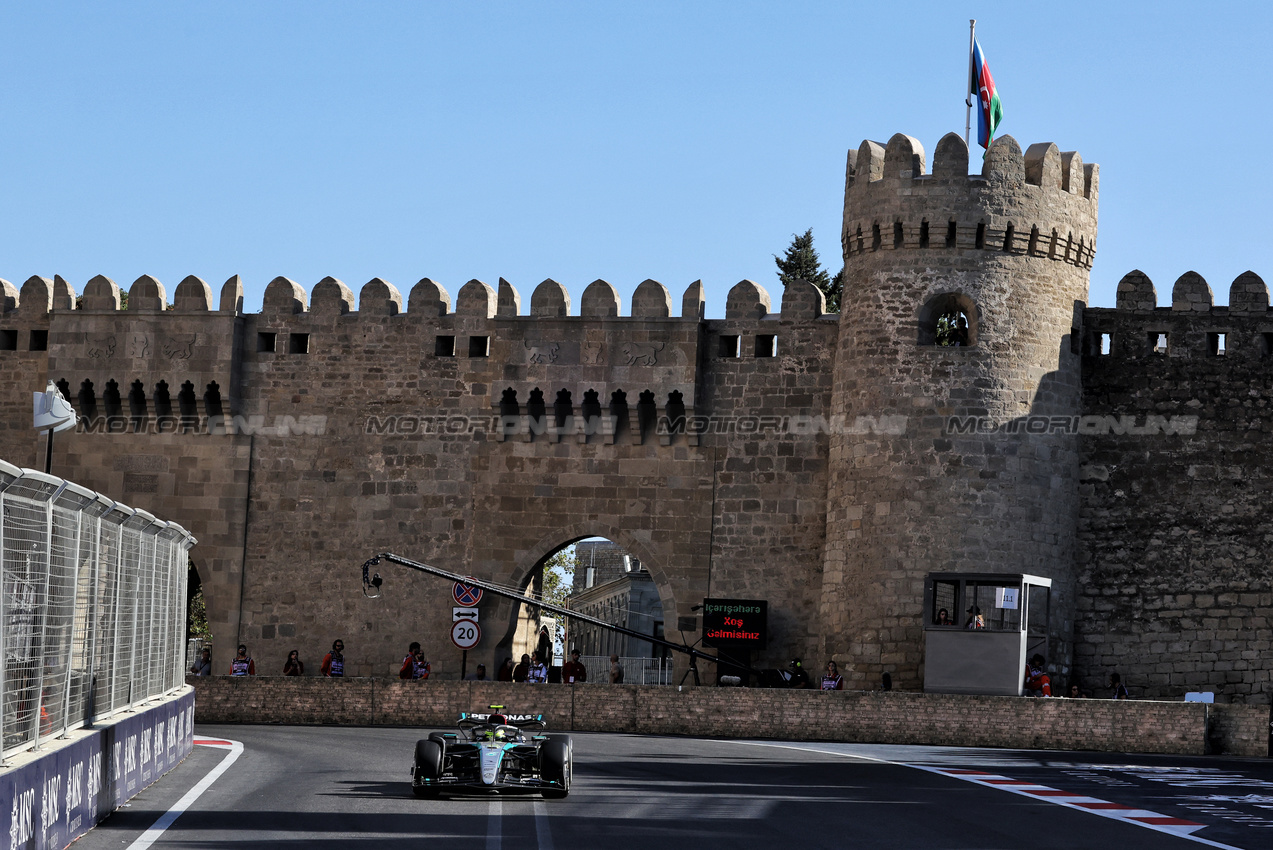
(1038, 203)
(40, 296)
(1191, 327)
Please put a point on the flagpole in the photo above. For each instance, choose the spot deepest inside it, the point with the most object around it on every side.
(968, 89)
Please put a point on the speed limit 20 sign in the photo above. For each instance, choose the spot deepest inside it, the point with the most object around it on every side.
(465, 634)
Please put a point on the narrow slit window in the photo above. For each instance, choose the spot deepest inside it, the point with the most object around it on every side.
(444, 346)
(8, 340)
(875, 237)
(923, 234)
(952, 234)
(1007, 239)
(298, 343)
(266, 341)
(898, 237)
(729, 345)
(766, 345)
(981, 234)
(1215, 344)
(1106, 343)
(39, 340)
(1266, 344)
(1157, 342)
(479, 346)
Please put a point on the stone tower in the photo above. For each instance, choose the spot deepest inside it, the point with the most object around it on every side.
(954, 458)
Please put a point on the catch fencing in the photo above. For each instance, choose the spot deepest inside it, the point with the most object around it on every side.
(92, 607)
(636, 671)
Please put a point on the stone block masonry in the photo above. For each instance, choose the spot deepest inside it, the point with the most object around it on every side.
(1131, 726)
(823, 463)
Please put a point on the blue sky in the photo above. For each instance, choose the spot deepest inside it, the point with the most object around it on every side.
(578, 141)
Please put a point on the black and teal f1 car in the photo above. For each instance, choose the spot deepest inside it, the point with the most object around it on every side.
(493, 752)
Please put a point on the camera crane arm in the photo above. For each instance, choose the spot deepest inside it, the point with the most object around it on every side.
(374, 581)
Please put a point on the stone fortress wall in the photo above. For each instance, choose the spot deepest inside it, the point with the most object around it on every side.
(298, 441)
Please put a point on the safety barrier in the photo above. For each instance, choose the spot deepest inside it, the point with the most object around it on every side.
(92, 604)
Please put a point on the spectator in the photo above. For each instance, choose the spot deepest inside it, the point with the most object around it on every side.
(833, 681)
(1116, 685)
(333, 665)
(797, 677)
(1075, 693)
(1037, 681)
(616, 671)
(943, 618)
(242, 665)
(203, 665)
(538, 670)
(293, 665)
(574, 671)
(478, 675)
(522, 670)
(505, 673)
(414, 665)
(975, 620)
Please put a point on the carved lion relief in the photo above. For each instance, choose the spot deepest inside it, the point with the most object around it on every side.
(102, 348)
(542, 352)
(641, 353)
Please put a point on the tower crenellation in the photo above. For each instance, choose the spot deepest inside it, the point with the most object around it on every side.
(1041, 203)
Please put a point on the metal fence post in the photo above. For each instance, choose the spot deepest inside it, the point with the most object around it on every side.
(70, 644)
(44, 620)
(4, 650)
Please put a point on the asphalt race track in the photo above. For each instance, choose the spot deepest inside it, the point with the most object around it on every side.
(327, 787)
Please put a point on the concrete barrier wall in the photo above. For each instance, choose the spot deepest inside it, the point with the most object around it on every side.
(863, 717)
(56, 794)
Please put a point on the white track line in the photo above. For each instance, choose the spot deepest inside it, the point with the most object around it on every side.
(543, 835)
(150, 836)
(1138, 817)
(493, 824)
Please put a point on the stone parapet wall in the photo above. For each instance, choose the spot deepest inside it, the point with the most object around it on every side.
(850, 716)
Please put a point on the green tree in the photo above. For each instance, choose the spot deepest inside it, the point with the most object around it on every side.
(801, 263)
(199, 617)
(559, 575)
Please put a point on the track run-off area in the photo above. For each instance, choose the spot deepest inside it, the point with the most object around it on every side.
(341, 787)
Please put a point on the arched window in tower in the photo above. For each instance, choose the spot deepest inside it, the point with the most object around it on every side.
(948, 319)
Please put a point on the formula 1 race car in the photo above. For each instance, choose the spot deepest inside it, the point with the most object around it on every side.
(493, 752)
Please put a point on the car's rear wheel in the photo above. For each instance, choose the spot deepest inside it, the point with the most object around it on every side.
(556, 765)
(428, 766)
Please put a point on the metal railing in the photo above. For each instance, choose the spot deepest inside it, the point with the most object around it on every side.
(92, 607)
(636, 671)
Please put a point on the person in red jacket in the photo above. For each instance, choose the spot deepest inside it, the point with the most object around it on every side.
(333, 665)
(242, 665)
(1037, 681)
(414, 666)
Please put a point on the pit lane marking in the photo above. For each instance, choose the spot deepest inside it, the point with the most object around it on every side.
(1178, 827)
(233, 749)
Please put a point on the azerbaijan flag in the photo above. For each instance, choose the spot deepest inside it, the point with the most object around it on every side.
(990, 110)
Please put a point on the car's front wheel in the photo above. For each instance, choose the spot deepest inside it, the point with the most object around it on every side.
(556, 765)
(428, 769)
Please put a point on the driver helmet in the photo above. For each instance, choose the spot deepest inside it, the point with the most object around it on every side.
(498, 719)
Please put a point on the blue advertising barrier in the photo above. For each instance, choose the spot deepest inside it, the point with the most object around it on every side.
(49, 802)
